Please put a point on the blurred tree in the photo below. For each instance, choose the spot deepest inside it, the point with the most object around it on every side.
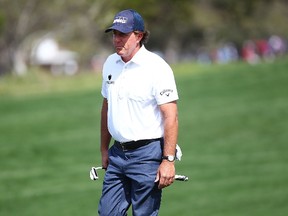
(23, 21)
(177, 26)
(239, 20)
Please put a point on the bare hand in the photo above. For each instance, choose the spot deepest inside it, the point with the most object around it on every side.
(105, 160)
(165, 175)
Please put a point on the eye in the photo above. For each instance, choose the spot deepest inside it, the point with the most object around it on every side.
(124, 35)
(120, 34)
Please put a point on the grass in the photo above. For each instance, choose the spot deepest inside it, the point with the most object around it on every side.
(233, 133)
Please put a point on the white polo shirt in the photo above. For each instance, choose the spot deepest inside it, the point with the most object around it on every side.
(134, 90)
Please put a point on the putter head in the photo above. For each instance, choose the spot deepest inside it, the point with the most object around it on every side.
(94, 174)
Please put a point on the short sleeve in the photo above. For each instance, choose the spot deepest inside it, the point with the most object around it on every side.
(165, 86)
(104, 89)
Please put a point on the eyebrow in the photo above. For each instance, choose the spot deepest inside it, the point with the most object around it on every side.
(120, 33)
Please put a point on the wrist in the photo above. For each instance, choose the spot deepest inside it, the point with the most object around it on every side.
(169, 158)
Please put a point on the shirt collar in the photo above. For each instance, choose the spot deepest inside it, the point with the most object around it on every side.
(139, 56)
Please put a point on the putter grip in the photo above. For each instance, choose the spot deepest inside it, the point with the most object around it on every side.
(181, 178)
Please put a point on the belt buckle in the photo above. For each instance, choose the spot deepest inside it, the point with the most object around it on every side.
(122, 146)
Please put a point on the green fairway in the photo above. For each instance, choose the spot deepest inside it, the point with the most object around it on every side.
(233, 133)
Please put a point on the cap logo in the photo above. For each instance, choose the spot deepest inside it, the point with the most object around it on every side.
(122, 20)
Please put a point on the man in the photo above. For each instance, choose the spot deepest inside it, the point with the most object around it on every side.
(139, 112)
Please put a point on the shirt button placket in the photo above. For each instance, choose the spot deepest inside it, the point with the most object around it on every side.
(121, 93)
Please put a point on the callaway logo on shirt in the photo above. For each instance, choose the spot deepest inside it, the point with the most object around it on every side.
(166, 92)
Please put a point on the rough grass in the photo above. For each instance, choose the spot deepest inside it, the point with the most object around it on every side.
(233, 133)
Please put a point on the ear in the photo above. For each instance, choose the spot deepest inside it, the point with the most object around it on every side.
(140, 36)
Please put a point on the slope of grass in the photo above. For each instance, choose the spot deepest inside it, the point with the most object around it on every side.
(233, 133)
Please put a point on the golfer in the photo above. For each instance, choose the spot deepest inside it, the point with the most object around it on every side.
(139, 112)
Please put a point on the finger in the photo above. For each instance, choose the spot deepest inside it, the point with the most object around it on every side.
(157, 178)
(162, 183)
(165, 182)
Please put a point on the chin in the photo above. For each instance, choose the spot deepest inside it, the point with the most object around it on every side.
(120, 52)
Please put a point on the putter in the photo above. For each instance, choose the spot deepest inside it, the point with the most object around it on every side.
(94, 175)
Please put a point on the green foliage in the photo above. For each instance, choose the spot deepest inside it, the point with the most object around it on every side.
(182, 26)
(233, 133)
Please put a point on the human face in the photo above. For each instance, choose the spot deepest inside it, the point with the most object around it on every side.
(126, 45)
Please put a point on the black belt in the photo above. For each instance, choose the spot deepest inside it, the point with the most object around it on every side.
(126, 146)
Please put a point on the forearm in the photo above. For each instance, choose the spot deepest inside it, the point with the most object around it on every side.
(170, 130)
(105, 136)
(170, 136)
(105, 139)
(166, 171)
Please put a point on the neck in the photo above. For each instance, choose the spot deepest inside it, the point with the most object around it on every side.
(129, 57)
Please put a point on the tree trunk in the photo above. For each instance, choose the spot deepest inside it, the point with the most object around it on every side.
(6, 62)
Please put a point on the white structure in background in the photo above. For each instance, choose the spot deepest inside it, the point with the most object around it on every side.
(46, 53)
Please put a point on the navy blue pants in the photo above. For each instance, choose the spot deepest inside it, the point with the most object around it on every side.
(129, 180)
